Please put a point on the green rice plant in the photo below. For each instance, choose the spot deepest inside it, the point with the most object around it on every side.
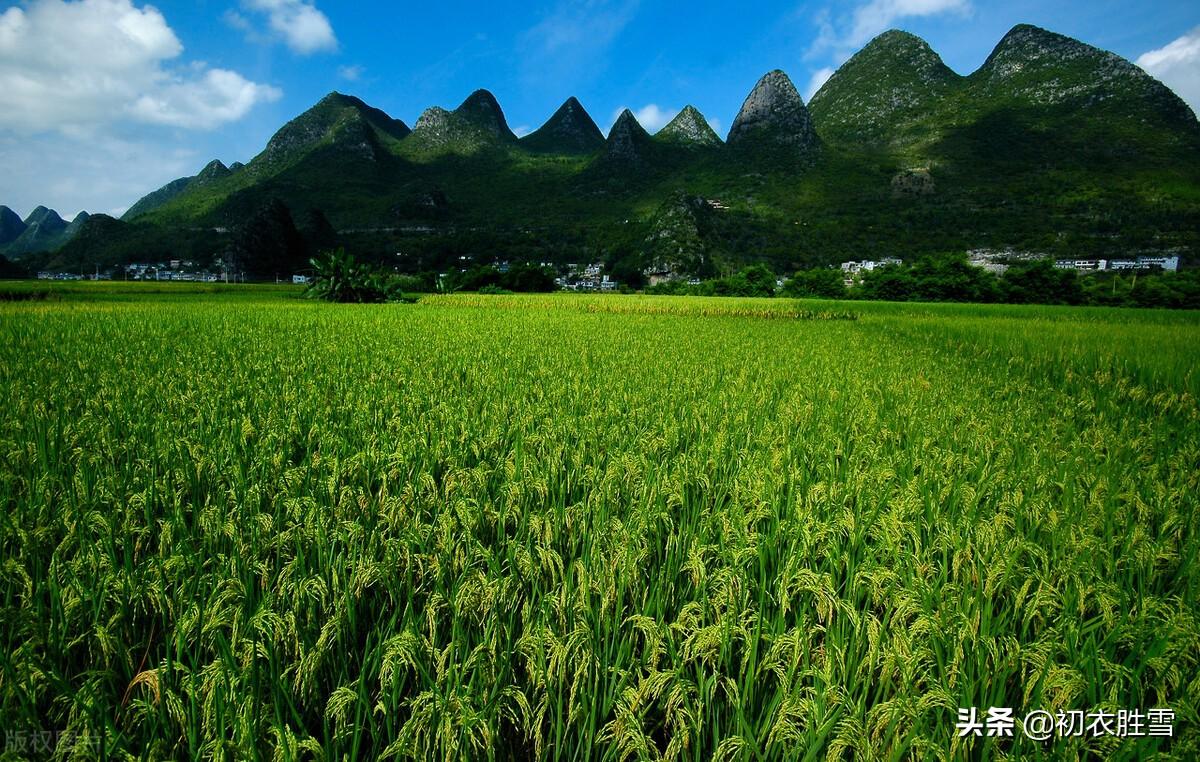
(242, 524)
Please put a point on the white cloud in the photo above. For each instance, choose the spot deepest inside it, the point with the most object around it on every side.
(350, 73)
(654, 118)
(879, 15)
(96, 173)
(220, 96)
(302, 27)
(1177, 65)
(522, 130)
(77, 66)
(649, 116)
(237, 21)
(819, 77)
(850, 31)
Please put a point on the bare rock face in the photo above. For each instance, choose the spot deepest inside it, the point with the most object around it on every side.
(689, 128)
(774, 115)
(628, 143)
(570, 130)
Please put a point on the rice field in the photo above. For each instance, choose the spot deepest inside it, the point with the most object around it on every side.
(238, 524)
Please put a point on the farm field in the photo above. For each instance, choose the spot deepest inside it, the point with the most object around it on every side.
(240, 524)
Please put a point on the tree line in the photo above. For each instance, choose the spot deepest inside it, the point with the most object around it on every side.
(952, 278)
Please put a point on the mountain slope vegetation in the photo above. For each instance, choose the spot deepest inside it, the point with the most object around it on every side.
(1052, 146)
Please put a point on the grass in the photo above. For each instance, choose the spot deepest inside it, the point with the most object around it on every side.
(247, 525)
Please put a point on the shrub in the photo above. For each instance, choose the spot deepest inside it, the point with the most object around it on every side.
(339, 277)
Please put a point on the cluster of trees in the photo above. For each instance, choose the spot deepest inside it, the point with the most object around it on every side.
(11, 270)
(951, 278)
(340, 277)
(757, 280)
(519, 278)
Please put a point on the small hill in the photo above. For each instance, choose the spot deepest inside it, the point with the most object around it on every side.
(689, 128)
(628, 143)
(75, 225)
(883, 91)
(1038, 66)
(773, 117)
(482, 110)
(478, 124)
(570, 130)
(44, 231)
(341, 122)
(212, 172)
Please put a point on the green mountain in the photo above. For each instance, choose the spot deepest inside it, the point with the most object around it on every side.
(11, 226)
(773, 117)
(212, 172)
(628, 144)
(75, 226)
(478, 124)
(44, 231)
(569, 131)
(1052, 146)
(885, 92)
(339, 122)
(1036, 86)
(155, 199)
(1033, 66)
(690, 129)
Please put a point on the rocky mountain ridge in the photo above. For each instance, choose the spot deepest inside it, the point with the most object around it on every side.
(42, 230)
(1051, 143)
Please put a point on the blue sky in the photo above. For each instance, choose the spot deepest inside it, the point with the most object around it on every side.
(102, 101)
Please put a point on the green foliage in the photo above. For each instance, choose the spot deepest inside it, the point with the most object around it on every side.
(1173, 291)
(339, 277)
(240, 524)
(939, 278)
(1040, 282)
(267, 245)
(518, 278)
(495, 290)
(948, 278)
(754, 281)
(12, 270)
(822, 283)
